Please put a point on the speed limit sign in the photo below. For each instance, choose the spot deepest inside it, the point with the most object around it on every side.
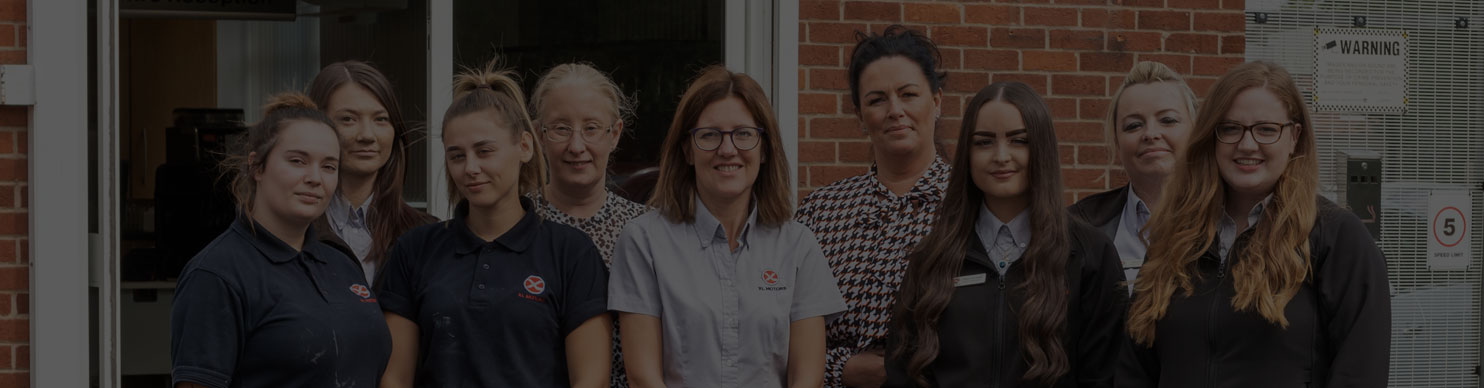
(1448, 230)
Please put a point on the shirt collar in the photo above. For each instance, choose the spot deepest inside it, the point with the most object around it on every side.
(343, 214)
(1132, 208)
(709, 229)
(929, 187)
(989, 226)
(1253, 216)
(272, 248)
(517, 239)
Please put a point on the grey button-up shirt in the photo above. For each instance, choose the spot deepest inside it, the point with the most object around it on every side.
(724, 314)
(1227, 230)
(1131, 248)
(349, 222)
(988, 228)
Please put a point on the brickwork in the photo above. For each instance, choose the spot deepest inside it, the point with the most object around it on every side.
(1074, 52)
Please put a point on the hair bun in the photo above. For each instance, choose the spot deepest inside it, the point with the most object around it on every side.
(289, 100)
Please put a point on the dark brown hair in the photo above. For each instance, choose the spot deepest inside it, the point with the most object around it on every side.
(674, 194)
(895, 41)
(389, 216)
(937, 259)
(281, 110)
(495, 91)
(1275, 262)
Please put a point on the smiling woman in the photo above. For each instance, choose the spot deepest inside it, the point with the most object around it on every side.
(751, 310)
(1149, 123)
(496, 285)
(367, 213)
(1006, 255)
(266, 304)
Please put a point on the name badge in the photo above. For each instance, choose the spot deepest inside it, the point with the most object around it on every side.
(968, 280)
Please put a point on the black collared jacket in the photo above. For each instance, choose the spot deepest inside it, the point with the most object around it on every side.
(1339, 323)
(1102, 210)
(979, 331)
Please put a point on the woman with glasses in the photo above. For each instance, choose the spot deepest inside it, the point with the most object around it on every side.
(718, 287)
(581, 113)
(1251, 279)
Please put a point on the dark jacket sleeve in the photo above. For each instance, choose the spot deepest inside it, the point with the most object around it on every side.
(1138, 365)
(1102, 303)
(896, 369)
(1355, 302)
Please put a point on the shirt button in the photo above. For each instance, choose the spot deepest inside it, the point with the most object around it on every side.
(486, 266)
(481, 286)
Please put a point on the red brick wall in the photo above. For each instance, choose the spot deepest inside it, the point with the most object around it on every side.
(1074, 52)
(15, 262)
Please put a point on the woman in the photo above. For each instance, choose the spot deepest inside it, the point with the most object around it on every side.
(367, 214)
(866, 224)
(1149, 122)
(266, 304)
(1252, 280)
(495, 297)
(581, 113)
(1007, 290)
(717, 287)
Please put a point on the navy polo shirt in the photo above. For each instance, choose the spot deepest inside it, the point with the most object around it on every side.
(494, 314)
(250, 311)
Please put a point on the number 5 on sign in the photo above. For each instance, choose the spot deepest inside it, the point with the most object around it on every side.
(1450, 224)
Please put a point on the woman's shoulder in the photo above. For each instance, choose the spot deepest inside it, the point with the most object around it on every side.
(842, 189)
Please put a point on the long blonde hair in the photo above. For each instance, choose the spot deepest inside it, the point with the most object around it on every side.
(1275, 263)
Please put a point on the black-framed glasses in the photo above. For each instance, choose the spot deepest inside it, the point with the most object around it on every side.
(561, 132)
(1231, 132)
(709, 139)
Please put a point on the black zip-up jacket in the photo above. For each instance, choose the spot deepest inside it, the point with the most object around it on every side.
(1339, 323)
(979, 331)
(1102, 210)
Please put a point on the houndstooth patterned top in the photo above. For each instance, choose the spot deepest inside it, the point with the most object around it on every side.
(866, 232)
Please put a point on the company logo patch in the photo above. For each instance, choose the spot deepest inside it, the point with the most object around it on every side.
(771, 281)
(535, 285)
(360, 290)
(770, 277)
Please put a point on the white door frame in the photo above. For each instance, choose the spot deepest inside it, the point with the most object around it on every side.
(58, 214)
(765, 46)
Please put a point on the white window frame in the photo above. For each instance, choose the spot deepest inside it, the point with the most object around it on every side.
(764, 45)
(58, 214)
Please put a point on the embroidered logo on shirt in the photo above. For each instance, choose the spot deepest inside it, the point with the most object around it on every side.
(360, 290)
(770, 277)
(771, 281)
(535, 285)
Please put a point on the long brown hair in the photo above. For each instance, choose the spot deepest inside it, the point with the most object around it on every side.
(495, 91)
(674, 194)
(240, 165)
(928, 285)
(1275, 262)
(389, 216)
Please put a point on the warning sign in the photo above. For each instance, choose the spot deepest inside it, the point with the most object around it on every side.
(1360, 70)
(1448, 230)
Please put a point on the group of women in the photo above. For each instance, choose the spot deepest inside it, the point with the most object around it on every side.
(927, 270)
